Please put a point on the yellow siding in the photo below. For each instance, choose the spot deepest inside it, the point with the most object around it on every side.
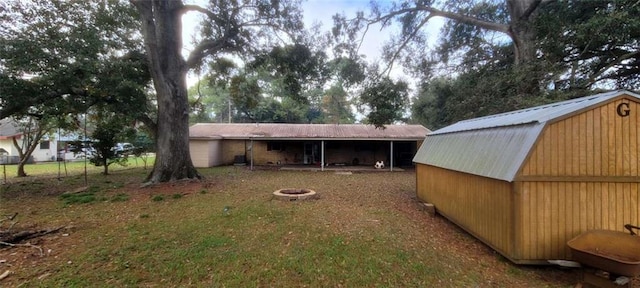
(582, 174)
(231, 148)
(597, 142)
(554, 212)
(480, 205)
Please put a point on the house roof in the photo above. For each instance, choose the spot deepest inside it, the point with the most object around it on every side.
(496, 146)
(8, 128)
(277, 131)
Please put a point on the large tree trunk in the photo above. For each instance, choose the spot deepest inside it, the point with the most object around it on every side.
(521, 30)
(523, 33)
(162, 31)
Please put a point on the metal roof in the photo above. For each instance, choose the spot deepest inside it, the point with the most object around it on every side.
(538, 114)
(496, 146)
(306, 131)
(8, 128)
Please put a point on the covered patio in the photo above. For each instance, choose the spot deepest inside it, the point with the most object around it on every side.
(309, 146)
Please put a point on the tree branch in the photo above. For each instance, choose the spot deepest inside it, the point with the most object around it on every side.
(405, 42)
(197, 8)
(597, 76)
(449, 15)
(200, 51)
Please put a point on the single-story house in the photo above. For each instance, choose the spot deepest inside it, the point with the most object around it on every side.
(9, 130)
(525, 182)
(214, 144)
(51, 147)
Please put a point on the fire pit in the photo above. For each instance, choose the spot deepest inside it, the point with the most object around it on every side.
(293, 194)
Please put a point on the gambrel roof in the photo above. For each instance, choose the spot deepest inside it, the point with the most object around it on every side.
(496, 146)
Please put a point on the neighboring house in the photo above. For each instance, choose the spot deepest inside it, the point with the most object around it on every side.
(9, 130)
(51, 147)
(525, 182)
(213, 144)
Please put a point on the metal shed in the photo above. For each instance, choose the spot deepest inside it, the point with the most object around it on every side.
(525, 182)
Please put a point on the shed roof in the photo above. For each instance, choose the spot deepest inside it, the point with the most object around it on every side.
(495, 146)
(277, 131)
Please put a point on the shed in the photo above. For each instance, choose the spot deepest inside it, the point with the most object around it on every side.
(525, 182)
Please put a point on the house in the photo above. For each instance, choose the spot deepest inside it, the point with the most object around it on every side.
(214, 144)
(51, 147)
(9, 130)
(525, 182)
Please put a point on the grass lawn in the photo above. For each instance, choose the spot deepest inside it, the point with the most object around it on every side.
(365, 230)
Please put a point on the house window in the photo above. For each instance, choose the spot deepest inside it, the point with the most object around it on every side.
(44, 145)
(275, 146)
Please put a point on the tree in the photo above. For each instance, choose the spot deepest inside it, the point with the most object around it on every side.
(591, 44)
(230, 27)
(57, 57)
(336, 107)
(475, 24)
(110, 128)
(33, 131)
(387, 101)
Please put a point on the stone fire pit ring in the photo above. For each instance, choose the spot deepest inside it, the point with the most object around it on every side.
(294, 194)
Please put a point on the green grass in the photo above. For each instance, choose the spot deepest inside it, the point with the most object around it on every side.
(66, 169)
(364, 231)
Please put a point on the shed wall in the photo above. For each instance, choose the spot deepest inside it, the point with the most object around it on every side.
(480, 205)
(552, 213)
(582, 174)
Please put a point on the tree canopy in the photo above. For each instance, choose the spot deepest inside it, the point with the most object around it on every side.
(505, 55)
(61, 57)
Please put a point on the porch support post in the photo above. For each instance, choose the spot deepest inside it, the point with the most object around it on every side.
(322, 156)
(391, 164)
(251, 154)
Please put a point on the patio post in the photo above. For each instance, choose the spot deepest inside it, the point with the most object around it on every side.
(391, 164)
(322, 156)
(251, 154)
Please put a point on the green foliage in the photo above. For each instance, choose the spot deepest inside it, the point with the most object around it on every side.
(77, 54)
(78, 198)
(592, 43)
(296, 66)
(122, 197)
(386, 100)
(157, 198)
(444, 101)
(143, 143)
(336, 107)
(109, 130)
(245, 94)
(176, 196)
